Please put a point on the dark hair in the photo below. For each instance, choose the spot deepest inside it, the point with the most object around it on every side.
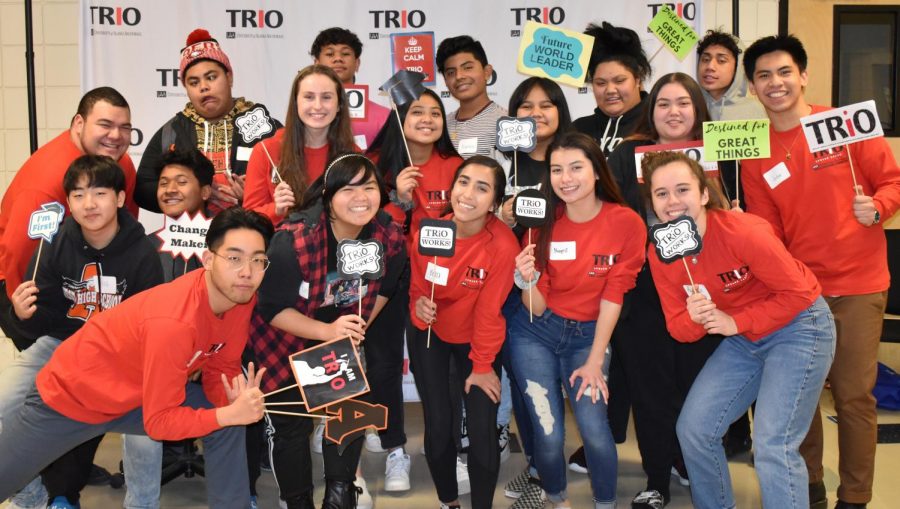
(459, 44)
(341, 172)
(100, 171)
(605, 187)
(553, 92)
(107, 94)
(719, 38)
(653, 161)
(498, 174)
(335, 35)
(618, 44)
(389, 147)
(236, 218)
(646, 129)
(191, 159)
(293, 168)
(787, 43)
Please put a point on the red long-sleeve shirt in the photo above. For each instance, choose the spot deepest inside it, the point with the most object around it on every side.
(468, 307)
(39, 181)
(747, 272)
(812, 210)
(590, 261)
(259, 191)
(140, 354)
(432, 195)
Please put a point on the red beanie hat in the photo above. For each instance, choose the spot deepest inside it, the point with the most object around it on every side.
(201, 46)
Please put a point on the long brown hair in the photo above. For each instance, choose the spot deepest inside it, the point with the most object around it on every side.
(646, 129)
(293, 167)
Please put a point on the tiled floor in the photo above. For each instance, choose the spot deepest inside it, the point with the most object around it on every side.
(189, 493)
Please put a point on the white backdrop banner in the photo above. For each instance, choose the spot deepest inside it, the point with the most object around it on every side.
(134, 46)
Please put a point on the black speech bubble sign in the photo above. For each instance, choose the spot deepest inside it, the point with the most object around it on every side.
(404, 86)
(676, 239)
(516, 134)
(360, 259)
(530, 208)
(437, 237)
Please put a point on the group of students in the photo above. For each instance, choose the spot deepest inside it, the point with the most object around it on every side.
(581, 304)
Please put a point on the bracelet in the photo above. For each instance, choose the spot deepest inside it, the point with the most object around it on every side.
(525, 285)
(406, 206)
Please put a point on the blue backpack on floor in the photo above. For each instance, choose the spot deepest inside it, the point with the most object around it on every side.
(887, 388)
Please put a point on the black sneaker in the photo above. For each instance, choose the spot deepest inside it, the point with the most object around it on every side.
(733, 447)
(648, 499)
(99, 476)
(847, 505)
(517, 485)
(577, 461)
(532, 498)
(818, 497)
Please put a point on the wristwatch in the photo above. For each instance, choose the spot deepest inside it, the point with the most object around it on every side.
(877, 218)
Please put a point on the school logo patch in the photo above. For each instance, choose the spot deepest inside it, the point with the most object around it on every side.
(93, 293)
(735, 279)
(603, 263)
(474, 278)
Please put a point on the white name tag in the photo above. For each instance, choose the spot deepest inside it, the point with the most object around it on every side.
(437, 274)
(700, 288)
(107, 284)
(468, 146)
(360, 140)
(243, 153)
(304, 290)
(778, 174)
(562, 250)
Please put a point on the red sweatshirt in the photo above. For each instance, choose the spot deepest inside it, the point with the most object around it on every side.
(39, 181)
(747, 273)
(480, 278)
(812, 209)
(598, 259)
(259, 191)
(140, 354)
(432, 195)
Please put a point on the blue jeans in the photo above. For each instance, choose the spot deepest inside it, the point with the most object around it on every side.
(784, 372)
(544, 354)
(142, 460)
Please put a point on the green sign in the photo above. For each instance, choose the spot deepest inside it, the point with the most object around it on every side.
(736, 139)
(675, 33)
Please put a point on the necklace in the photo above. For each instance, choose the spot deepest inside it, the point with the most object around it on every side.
(790, 147)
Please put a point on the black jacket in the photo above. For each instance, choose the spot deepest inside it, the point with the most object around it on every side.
(609, 131)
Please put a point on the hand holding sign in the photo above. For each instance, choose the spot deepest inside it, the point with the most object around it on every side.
(437, 237)
(675, 240)
(531, 211)
(44, 224)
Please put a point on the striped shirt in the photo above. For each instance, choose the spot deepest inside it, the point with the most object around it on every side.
(478, 135)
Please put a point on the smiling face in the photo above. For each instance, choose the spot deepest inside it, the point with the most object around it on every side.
(95, 209)
(208, 87)
(341, 59)
(572, 176)
(538, 106)
(424, 123)
(473, 196)
(675, 192)
(354, 205)
(778, 82)
(616, 89)
(465, 77)
(716, 69)
(178, 191)
(673, 114)
(317, 103)
(105, 132)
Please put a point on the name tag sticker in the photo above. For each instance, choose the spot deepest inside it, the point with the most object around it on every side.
(702, 289)
(304, 289)
(778, 174)
(108, 284)
(437, 274)
(468, 146)
(562, 250)
(243, 153)
(360, 140)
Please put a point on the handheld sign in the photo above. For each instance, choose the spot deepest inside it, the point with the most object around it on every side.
(693, 149)
(44, 223)
(351, 419)
(437, 237)
(530, 208)
(404, 86)
(360, 259)
(840, 126)
(414, 52)
(676, 239)
(675, 33)
(185, 236)
(516, 134)
(555, 53)
(254, 124)
(329, 373)
(737, 139)
(358, 101)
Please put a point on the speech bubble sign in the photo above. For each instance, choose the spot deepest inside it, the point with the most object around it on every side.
(516, 134)
(676, 239)
(555, 53)
(357, 101)
(437, 237)
(840, 126)
(693, 149)
(360, 259)
(44, 223)
(737, 139)
(329, 373)
(675, 33)
(414, 52)
(185, 236)
(254, 124)
(530, 208)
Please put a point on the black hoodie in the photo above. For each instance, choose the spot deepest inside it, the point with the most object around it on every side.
(609, 131)
(76, 281)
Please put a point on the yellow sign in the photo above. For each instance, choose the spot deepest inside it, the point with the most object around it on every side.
(736, 139)
(556, 53)
(674, 32)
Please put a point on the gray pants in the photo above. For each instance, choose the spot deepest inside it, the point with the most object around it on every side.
(36, 435)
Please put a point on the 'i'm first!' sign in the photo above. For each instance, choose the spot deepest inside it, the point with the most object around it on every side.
(840, 126)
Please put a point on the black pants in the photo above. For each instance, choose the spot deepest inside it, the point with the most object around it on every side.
(291, 459)
(659, 372)
(384, 362)
(69, 474)
(431, 368)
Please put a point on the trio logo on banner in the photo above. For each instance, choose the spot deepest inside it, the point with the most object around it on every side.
(840, 126)
(169, 83)
(396, 19)
(112, 20)
(543, 15)
(684, 10)
(253, 23)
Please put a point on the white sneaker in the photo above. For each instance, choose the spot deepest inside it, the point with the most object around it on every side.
(462, 477)
(503, 441)
(396, 471)
(373, 441)
(318, 433)
(364, 500)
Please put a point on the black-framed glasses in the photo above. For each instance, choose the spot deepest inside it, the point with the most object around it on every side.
(236, 263)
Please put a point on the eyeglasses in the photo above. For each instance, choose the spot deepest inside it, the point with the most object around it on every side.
(236, 263)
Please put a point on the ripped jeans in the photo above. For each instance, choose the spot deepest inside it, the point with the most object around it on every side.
(543, 355)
